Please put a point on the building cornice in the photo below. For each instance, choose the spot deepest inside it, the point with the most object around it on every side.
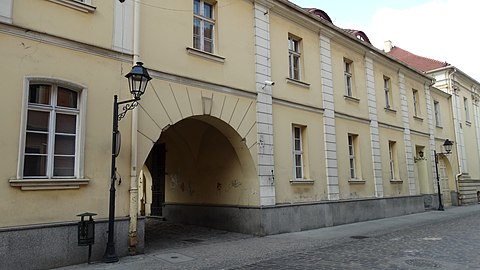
(63, 42)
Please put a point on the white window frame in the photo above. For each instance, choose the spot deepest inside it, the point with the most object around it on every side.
(50, 182)
(467, 111)
(388, 92)
(298, 153)
(392, 160)
(201, 17)
(347, 69)
(416, 109)
(436, 109)
(294, 58)
(351, 156)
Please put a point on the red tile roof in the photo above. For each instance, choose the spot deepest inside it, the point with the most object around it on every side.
(420, 63)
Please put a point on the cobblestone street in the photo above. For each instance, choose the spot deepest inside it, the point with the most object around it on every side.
(430, 240)
(449, 244)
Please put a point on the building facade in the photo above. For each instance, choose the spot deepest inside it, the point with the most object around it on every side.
(262, 117)
(464, 105)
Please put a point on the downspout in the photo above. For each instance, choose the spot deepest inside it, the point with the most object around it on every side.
(132, 240)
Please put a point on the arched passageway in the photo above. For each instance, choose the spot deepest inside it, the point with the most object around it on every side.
(199, 161)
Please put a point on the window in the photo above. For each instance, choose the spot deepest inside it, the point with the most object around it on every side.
(351, 155)
(294, 58)
(438, 119)
(203, 26)
(392, 153)
(348, 77)
(467, 112)
(51, 132)
(388, 92)
(297, 153)
(416, 109)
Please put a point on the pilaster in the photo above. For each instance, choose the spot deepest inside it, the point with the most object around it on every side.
(407, 136)
(266, 168)
(374, 130)
(329, 131)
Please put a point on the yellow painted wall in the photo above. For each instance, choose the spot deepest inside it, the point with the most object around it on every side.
(400, 187)
(314, 169)
(393, 115)
(365, 186)
(103, 78)
(357, 107)
(280, 28)
(48, 17)
(167, 33)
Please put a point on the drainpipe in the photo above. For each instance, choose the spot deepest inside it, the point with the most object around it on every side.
(132, 240)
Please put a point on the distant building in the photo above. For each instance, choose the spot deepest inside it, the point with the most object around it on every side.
(466, 114)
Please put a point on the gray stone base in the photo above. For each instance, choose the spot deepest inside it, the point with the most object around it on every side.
(292, 217)
(46, 246)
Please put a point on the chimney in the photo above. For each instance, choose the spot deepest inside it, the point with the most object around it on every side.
(387, 46)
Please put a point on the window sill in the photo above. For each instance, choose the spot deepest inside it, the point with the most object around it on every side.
(356, 181)
(48, 184)
(353, 99)
(418, 118)
(209, 56)
(439, 127)
(390, 110)
(299, 83)
(75, 5)
(302, 181)
(396, 181)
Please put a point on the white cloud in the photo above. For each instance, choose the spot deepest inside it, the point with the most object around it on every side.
(444, 30)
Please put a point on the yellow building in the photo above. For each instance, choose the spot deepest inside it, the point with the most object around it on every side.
(261, 117)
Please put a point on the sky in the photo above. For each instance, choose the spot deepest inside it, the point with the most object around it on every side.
(444, 30)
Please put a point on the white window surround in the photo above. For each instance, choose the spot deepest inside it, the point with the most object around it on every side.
(467, 111)
(351, 156)
(57, 182)
(80, 5)
(348, 77)
(388, 92)
(298, 170)
(416, 105)
(204, 38)
(6, 11)
(438, 118)
(294, 58)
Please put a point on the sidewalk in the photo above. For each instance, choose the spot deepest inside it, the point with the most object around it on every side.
(235, 250)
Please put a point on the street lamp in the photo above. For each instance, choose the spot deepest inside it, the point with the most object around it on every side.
(137, 82)
(448, 148)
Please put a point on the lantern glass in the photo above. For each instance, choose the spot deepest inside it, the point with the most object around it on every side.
(448, 146)
(137, 80)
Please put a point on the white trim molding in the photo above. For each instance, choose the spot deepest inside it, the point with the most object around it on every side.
(77, 5)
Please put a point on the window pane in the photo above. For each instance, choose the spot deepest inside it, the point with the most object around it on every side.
(208, 30)
(196, 34)
(297, 145)
(67, 98)
(298, 160)
(208, 46)
(298, 172)
(66, 123)
(39, 93)
(196, 7)
(296, 67)
(36, 143)
(35, 166)
(37, 121)
(207, 10)
(64, 145)
(64, 166)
